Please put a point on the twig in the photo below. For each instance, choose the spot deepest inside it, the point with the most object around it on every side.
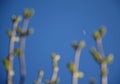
(12, 41)
(54, 75)
(27, 14)
(55, 59)
(103, 65)
(76, 64)
(21, 57)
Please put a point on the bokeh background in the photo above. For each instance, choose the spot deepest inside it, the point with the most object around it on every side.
(56, 24)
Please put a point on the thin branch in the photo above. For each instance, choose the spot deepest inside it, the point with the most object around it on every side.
(55, 59)
(76, 64)
(104, 79)
(12, 41)
(21, 57)
(39, 80)
(54, 75)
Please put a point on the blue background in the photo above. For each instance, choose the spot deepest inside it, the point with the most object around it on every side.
(56, 24)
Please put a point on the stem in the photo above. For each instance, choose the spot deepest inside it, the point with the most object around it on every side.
(21, 57)
(100, 47)
(76, 63)
(104, 77)
(12, 41)
(54, 75)
(39, 80)
(102, 65)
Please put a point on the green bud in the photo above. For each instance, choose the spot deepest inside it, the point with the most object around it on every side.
(16, 39)
(13, 18)
(16, 19)
(28, 13)
(71, 67)
(29, 31)
(53, 55)
(11, 72)
(96, 55)
(81, 44)
(18, 52)
(102, 31)
(6, 64)
(41, 73)
(9, 33)
(19, 31)
(74, 45)
(79, 74)
(109, 58)
(96, 35)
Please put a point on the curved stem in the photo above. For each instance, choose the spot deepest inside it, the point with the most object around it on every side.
(104, 79)
(76, 63)
(100, 47)
(39, 80)
(11, 50)
(54, 75)
(21, 57)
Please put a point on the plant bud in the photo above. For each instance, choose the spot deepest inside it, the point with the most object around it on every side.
(96, 55)
(6, 64)
(109, 59)
(96, 35)
(16, 19)
(57, 57)
(102, 31)
(28, 13)
(71, 67)
(81, 44)
(11, 72)
(9, 33)
(41, 73)
(74, 45)
(15, 39)
(79, 74)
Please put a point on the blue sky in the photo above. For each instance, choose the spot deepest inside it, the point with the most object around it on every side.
(56, 24)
